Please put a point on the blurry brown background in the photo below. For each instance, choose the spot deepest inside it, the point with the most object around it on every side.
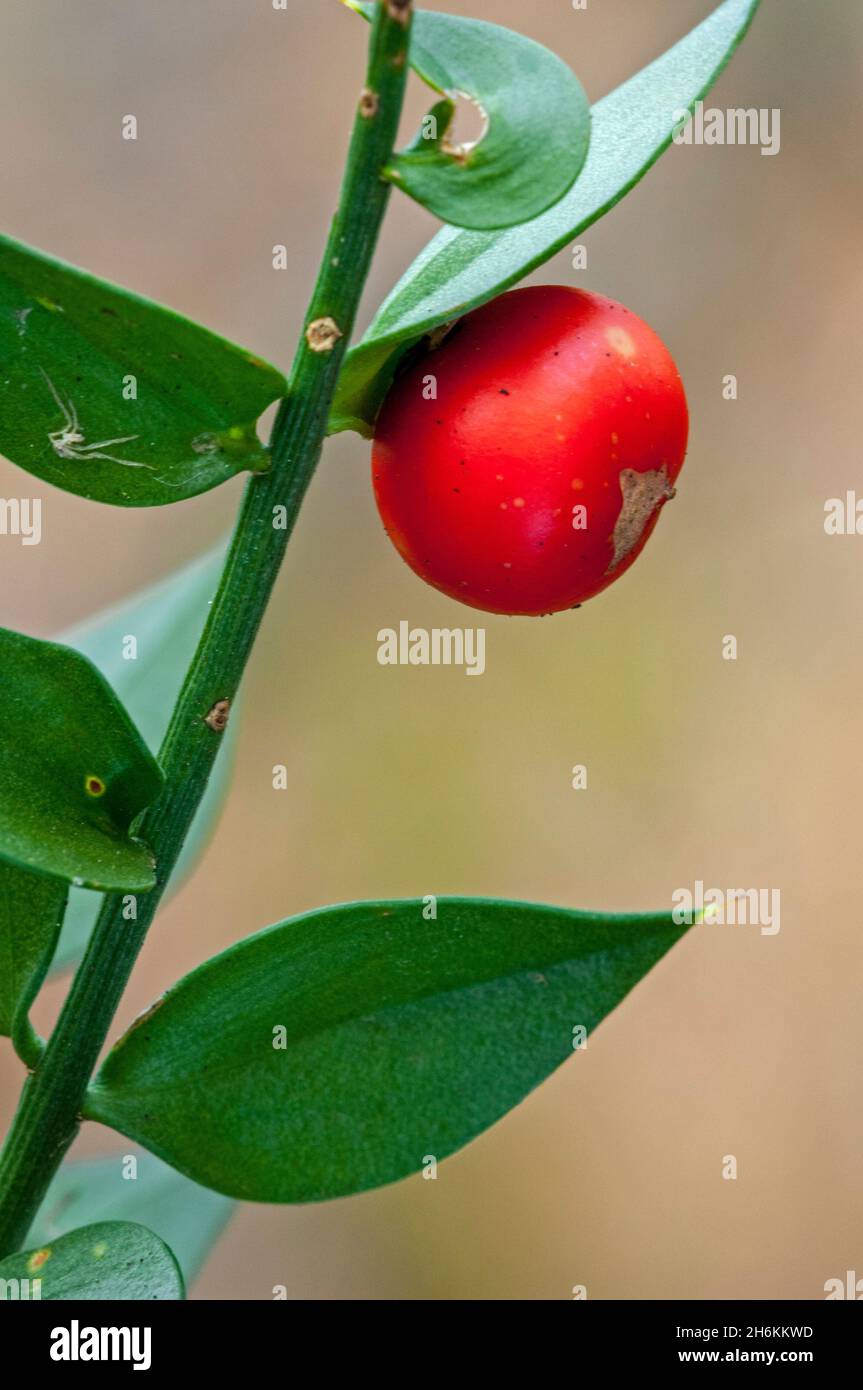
(412, 781)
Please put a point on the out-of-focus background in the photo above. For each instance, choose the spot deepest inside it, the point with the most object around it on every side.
(407, 781)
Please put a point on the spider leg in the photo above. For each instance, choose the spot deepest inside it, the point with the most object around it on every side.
(104, 443)
(70, 418)
(110, 458)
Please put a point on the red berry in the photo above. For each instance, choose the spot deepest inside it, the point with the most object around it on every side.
(534, 478)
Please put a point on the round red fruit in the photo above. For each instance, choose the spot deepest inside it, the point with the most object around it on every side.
(521, 465)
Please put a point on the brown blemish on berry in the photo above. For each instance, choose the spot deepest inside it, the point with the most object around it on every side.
(217, 719)
(323, 334)
(642, 493)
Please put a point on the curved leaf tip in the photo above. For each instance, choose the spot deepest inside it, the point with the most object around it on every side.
(534, 114)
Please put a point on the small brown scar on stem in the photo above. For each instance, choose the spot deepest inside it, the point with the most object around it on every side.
(217, 719)
(323, 334)
(643, 494)
(400, 11)
(369, 103)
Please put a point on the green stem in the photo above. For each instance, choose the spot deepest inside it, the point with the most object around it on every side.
(52, 1100)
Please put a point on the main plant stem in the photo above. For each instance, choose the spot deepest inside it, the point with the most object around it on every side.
(50, 1110)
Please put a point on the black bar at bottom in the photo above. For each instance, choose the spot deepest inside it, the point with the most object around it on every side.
(254, 1337)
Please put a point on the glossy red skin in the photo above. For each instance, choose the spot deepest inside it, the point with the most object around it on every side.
(543, 397)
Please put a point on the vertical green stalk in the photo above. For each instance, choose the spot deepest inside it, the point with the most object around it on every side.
(50, 1110)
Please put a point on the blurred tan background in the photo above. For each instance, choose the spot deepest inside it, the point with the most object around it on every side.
(412, 781)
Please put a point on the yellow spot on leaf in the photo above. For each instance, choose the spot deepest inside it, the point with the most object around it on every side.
(37, 1260)
(100, 1251)
(94, 786)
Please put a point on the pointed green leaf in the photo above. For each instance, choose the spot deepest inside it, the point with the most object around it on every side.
(76, 773)
(115, 398)
(188, 1218)
(332, 1052)
(111, 1260)
(459, 270)
(535, 117)
(166, 621)
(31, 910)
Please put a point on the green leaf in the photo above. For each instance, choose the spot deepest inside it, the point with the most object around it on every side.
(536, 123)
(188, 1218)
(459, 270)
(31, 910)
(70, 346)
(76, 773)
(403, 1037)
(166, 621)
(111, 1260)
